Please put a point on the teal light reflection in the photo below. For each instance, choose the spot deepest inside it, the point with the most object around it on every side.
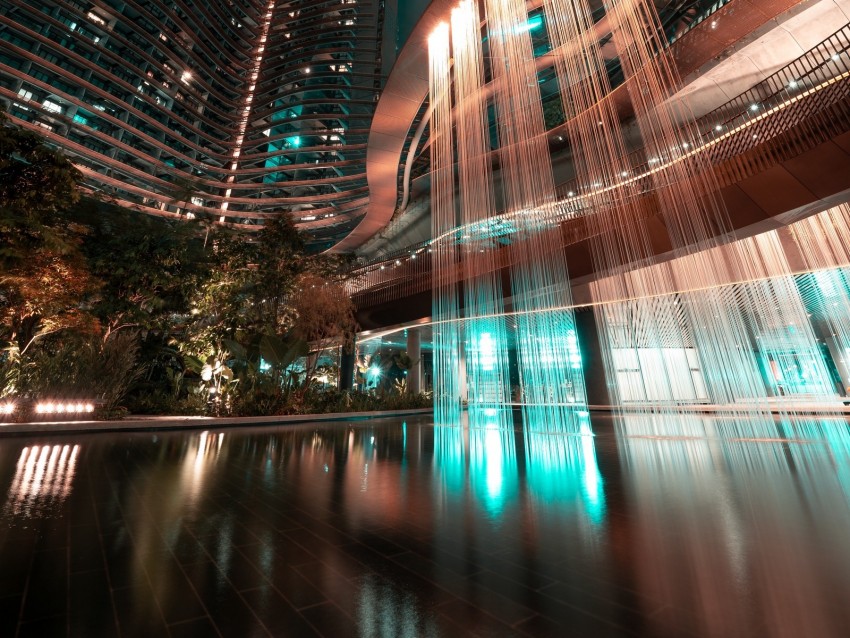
(721, 517)
(821, 443)
(561, 468)
(532, 24)
(493, 468)
(450, 457)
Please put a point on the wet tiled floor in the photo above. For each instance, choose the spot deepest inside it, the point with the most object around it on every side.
(397, 528)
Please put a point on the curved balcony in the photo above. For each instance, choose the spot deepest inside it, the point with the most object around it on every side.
(780, 151)
(406, 90)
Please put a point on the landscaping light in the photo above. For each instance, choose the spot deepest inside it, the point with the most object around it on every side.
(8, 408)
(63, 408)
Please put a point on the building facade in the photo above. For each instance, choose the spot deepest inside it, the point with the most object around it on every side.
(230, 110)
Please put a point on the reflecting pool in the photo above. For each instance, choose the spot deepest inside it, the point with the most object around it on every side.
(629, 527)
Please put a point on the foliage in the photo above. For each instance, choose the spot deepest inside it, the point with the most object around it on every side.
(146, 267)
(318, 401)
(324, 315)
(222, 304)
(36, 181)
(83, 368)
(42, 297)
(260, 394)
(163, 316)
(42, 276)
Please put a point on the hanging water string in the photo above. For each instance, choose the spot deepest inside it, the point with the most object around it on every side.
(823, 242)
(446, 335)
(685, 314)
(663, 351)
(551, 379)
(485, 333)
(637, 335)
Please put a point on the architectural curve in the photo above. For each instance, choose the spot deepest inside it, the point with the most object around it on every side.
(230, 110)
(407, 88)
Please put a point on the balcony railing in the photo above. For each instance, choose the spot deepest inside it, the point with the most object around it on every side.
(797, 108)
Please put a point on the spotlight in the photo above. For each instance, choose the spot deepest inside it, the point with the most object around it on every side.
(719, 127)
(792, 84)
(89, 407)
(754, 107)
(8, 408)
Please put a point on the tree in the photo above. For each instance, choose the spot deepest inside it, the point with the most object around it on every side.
(324, 316)
(281, 259)
(246, 290)
(146, 268)
(223, 303)
(36, 181)
(43, 278)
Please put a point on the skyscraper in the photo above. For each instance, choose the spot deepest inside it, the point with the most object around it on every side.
(230, 110)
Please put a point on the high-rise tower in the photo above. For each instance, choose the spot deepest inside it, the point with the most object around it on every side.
(232, 110)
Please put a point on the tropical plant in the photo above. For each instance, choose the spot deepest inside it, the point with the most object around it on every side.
(146, 268)
(43, 279)
(324, 316)
(83, 367)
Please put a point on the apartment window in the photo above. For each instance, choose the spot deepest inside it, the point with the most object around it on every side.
(52, 107)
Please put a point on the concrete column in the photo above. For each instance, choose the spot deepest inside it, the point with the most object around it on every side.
(346, 365)
(462, 383)
(414, 351)
(593, 366)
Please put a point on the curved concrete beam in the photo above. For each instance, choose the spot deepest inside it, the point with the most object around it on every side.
(400, 101)
(407, 88)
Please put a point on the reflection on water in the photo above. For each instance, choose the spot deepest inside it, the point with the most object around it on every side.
(644, 525)
(562, 470)
(743, 534)
(386, 610)
(202, 455)
(43, 480)
(493, 468)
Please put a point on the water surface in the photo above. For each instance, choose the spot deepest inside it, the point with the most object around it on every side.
(697, 527)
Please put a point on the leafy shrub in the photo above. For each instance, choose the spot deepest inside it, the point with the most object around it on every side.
(84, 367)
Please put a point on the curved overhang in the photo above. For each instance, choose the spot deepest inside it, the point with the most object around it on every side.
(407, 88)
(400, 101)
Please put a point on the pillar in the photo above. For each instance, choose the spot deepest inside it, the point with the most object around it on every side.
(414, 351)
(346, 365)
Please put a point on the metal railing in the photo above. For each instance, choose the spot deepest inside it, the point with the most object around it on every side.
(798, 107)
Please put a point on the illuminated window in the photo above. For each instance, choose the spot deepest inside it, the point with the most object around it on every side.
(52, 107)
